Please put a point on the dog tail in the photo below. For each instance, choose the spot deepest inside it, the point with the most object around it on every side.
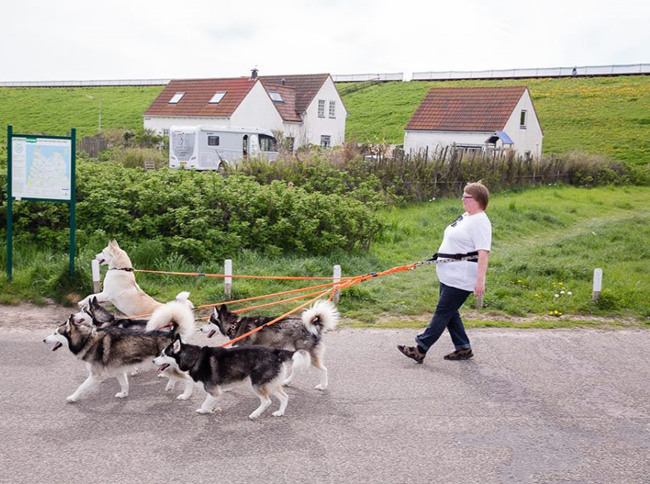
(300, 360)
(322, 316)
(184, 297)
(178, 313)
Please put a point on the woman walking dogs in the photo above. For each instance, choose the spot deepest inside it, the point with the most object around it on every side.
(462, 263)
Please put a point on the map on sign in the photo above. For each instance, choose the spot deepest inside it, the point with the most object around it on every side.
(41, 168)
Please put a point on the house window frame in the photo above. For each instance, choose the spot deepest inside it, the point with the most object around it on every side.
(321, 108)
(211, 138)
(218, 96)
(276, 96)
(332, 110)
(176, 98)
(325, 141)
(523, 119)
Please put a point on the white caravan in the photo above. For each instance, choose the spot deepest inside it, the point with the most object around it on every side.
(213, 147)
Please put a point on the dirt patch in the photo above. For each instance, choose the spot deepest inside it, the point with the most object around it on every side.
(31, 316)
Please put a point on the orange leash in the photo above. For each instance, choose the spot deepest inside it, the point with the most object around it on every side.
(277, 278)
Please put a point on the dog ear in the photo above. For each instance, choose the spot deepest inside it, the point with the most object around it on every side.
(113, 243)
(223, 309)
(177, 345)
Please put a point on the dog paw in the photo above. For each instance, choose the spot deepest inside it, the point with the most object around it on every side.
(278, 413)
(182, 396)
(286, 383)
(135, 372)
(320, 387)
(202, 411)
(71, 399)
(170, 386)
(122, 395)
(160, 375)
(254, 415)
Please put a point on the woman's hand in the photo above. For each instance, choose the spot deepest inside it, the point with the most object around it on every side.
(479, 288)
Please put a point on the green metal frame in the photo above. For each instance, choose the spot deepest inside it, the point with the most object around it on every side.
(72, 202)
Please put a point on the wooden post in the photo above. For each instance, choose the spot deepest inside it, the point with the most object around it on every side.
(337, 278)
(227, 281)
(97, 284)
(598, 284)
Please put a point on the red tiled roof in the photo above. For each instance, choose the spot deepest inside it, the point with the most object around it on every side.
(466, 109)
(306, 85)
(198, 92)
(287, 109)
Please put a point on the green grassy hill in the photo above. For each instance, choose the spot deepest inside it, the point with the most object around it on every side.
(598, 115)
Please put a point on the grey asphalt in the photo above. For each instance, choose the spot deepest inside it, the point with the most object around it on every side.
(560, 406)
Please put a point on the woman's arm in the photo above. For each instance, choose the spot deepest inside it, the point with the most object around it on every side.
(479, 289)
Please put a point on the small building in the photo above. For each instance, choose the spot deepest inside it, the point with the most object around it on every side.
(475, 118)
(306, 109)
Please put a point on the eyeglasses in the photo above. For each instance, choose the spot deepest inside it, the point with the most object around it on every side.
(466, 197)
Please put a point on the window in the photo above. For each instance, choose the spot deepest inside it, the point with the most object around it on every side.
(321, 108)
(165, 132)
(177, 97)
(276, 96)
(218, 96)
(522, 119)
(332, 109)
(267, 143)
(213, 141)
(325, 141)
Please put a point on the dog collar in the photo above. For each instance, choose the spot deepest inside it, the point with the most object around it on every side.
(127, 269)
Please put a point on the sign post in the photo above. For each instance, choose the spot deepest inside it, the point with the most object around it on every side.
(41, 168)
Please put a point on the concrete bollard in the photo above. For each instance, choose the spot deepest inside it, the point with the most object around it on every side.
(97, 283)
(227, 281)
(598, 284)
(337, 278)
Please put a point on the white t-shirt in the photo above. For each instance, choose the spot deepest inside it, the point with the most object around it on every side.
(468, 233)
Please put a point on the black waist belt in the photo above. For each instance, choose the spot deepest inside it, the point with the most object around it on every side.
(470, 256)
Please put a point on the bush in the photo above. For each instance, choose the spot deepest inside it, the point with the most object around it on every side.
(199, 215)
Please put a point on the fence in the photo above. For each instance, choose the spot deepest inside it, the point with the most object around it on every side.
(104, 83)
(582, 71)
(395, 76)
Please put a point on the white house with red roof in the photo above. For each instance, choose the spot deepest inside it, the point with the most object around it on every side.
(305, 108)
(475, 118)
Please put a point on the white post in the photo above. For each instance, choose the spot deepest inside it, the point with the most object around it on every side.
(227, 281)
(598, 284)
(97, 284)
(337, 278)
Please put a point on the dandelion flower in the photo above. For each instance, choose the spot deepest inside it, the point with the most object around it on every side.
(569, 293)
(550, 313)
(557, 295)
(562, 291)
(556, 311)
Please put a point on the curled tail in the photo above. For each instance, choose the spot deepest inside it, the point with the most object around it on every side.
(322, 316)
(176, 312)
(184, 297)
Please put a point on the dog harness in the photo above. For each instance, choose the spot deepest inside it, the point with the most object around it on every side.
(127, 269)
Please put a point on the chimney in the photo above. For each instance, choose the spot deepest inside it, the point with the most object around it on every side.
(284, 81)
(253, 73)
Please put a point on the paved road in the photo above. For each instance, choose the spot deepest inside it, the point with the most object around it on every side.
(568, 406)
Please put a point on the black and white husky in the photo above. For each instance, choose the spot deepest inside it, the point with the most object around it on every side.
(113, 351)
(293, 333)
(219, 368)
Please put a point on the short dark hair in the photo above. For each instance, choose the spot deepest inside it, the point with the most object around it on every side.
(480, 193)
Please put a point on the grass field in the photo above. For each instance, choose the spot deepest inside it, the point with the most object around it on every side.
(546, 241)
(598, 115)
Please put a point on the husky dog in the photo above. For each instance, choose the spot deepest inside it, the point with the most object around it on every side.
(303, 333)
(102, 318)
(219, 368)
(120, 287)
(113, 351)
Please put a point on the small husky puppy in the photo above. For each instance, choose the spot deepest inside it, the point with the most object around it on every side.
(113, 351)
(292, 333)
(219, 368)
(120, 287)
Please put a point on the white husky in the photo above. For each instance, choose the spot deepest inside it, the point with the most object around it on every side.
(120, 288)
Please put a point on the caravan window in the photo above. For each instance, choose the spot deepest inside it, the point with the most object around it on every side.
(267, 143)
(213, 141)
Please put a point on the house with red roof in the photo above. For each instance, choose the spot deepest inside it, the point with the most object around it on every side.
(475, 118)
(307, 109)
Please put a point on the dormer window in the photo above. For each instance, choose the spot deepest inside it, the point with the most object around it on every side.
(177, 97)
(276, 96)
(218, 96)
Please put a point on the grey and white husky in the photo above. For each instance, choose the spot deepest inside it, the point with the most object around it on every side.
(113, 351)
(219, 368)
(294, 333)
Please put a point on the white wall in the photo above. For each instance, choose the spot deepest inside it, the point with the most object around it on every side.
(417, 140)
(314, 126)
(257, 111)
(530, 138)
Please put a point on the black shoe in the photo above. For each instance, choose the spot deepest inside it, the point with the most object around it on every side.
(412, 352)
(460, 355)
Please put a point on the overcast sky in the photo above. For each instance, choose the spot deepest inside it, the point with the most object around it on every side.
(142, 39)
